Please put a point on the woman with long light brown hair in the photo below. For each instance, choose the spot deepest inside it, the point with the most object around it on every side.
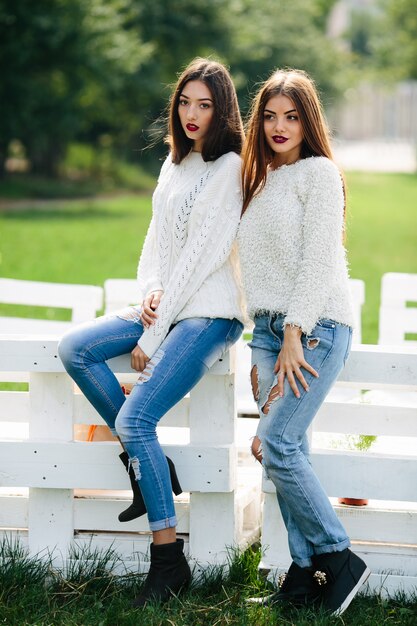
(296, 282)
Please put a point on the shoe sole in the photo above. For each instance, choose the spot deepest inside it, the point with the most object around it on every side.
(266, 601)
(342, 608)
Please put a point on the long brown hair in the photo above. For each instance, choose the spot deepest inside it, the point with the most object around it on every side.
(257, 155)
(226, 128)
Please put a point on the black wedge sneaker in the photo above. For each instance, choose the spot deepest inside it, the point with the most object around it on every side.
(297, 587)
(340, 575)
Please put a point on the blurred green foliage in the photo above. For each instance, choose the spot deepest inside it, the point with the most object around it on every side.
(94, 71)
(81, 70)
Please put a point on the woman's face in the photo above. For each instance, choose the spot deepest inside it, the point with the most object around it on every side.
(282, 128)
(196, 110)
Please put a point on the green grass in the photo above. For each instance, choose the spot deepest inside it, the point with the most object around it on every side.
(32, 592)
(382, 235)
(75, 242)
(87, 241)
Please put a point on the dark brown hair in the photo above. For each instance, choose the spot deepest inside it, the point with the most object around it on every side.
(257, 155)
(226, 129)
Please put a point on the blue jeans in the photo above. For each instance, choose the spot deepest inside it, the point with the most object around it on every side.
(312, 525)
(191, 347)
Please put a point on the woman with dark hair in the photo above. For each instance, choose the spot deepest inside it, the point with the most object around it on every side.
(191, 310)
(296, 282)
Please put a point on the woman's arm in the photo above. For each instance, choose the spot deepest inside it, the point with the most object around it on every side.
(322, 237)
(321, 241)
(148, 274)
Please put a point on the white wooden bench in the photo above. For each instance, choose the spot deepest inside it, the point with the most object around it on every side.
(384, 532)
(397, 322)
(82, 300)
(396, 319)
(218, 513)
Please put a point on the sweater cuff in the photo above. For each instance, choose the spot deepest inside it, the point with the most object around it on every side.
(305, 325)
(149, 343)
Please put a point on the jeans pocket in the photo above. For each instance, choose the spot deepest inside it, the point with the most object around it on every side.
(327, 324)
(234, 333)
(348, 347)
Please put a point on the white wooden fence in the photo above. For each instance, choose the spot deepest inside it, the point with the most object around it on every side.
(222, 510)
(55, 491)
(384, 532)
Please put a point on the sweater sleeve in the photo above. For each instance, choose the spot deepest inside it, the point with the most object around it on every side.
(212, 230)
(322, 238)
(148, 274)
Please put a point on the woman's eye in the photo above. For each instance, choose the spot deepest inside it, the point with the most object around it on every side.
(205, 105)
(183, 102)
(268, 116)
(292, 118)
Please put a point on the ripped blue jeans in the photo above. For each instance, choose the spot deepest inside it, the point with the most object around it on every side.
(191, 347)
(312, 525)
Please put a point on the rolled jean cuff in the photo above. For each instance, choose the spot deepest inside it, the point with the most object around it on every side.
(113, 431)
(303, 562)
(336, 547)
(168, 522)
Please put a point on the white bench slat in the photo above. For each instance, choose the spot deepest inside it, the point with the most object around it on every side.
(87, 299)
(30, 354)
(368, 419)
(360, 475)
(95, 465)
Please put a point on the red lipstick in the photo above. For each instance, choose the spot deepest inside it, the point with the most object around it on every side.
(279, 139)
(192, 127)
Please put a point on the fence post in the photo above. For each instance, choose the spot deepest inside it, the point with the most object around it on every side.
(213, 526)
(51, 518)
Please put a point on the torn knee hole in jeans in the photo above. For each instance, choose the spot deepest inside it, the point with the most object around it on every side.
(256, 448)
(135, 465)
(312, 342)
(150, 367)
(255, 383)
(272, 396)
(130, 314)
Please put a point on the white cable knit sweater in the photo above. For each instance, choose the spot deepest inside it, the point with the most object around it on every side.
(188, 250)
(290, 245)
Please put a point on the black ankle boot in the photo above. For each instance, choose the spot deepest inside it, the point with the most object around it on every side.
(138, 507)
(341, 575)
(168, 575)
(297, 587)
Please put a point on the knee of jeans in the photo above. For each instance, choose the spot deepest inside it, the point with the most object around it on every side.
(278, 452)
(69, 347)
(122, 428)
(134, 427)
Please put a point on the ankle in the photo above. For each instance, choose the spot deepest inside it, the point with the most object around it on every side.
(167, 535)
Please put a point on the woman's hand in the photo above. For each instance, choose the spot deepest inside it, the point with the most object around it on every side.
(149, 306)
(291, 360)
(138, 359)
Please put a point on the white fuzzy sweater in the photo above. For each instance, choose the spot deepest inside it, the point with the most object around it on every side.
(188, 250)
(290, 245)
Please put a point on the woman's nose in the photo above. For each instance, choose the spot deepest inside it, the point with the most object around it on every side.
(280, 125)
(191, 113)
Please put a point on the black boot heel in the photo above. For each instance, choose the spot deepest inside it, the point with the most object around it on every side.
(176, 487)
(138, 507)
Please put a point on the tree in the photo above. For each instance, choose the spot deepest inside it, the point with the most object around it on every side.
(61, 59)
(395, 43)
